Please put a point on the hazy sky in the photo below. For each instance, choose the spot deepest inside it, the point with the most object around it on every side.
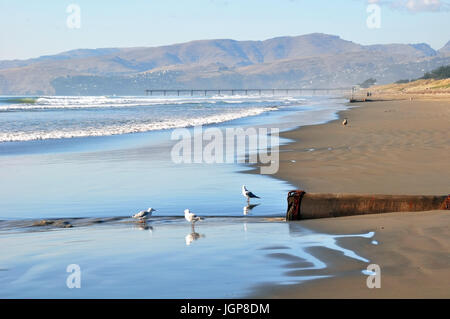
(34, 28)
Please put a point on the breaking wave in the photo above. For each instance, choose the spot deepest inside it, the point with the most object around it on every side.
(86, 102)
(127, 128)
(57, 117)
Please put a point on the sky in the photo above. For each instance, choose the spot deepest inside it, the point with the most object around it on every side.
(36, 28)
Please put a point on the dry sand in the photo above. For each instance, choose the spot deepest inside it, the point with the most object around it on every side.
(389, 147)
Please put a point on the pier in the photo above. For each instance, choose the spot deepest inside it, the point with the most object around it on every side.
(273, 92)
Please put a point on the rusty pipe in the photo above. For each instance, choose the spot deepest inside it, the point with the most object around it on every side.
(314, 205)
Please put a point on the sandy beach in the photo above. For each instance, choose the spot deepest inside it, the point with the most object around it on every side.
(225, 155)
(69, 202)
(388, 147)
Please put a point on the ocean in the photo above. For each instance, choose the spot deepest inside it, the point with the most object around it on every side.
(67, 156)
(57, 117)
(95, 161)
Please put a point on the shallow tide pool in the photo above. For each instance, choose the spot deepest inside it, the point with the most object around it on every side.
(167, 258)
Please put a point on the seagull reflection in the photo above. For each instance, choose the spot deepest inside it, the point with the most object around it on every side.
(247, 209)
(142, 225)
(193, 236)
(146, 227)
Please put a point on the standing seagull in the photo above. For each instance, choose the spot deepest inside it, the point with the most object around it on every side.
(344, 122)
(144, 214)
(191, 217)
(248, 194)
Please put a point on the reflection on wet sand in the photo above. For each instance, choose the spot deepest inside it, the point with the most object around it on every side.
(302, 262)
(247, 209)
(192, 236)
(262, 248)
(329, 241)
(142, 225)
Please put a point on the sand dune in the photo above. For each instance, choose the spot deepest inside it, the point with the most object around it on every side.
(423, 86)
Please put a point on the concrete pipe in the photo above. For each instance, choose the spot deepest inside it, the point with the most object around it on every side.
(302, 205)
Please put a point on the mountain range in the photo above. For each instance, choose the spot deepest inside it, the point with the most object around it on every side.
(307, 61)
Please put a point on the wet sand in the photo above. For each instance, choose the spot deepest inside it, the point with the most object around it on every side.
(222, 257)
(412, 250)
(274, 258)
(389, 147)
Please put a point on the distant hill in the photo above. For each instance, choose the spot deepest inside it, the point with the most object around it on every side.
(445, 50)
(312, 60)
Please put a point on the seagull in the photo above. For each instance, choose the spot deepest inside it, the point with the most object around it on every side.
(248, 194)
(144, 214)
(344, 122)
(191, 217)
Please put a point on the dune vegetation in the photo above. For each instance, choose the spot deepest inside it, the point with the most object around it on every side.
(434, 82)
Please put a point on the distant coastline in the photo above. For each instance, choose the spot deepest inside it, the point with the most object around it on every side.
(313, 60)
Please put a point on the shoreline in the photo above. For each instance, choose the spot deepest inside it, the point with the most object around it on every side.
(389, 147)
(419, 232)
(140, 155)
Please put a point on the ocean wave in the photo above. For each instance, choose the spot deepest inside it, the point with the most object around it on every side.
(82, 102)
(126, 128)
(18, 100)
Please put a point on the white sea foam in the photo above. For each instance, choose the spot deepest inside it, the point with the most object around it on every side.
(113, 115)
(80, 102)
(127, 127)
